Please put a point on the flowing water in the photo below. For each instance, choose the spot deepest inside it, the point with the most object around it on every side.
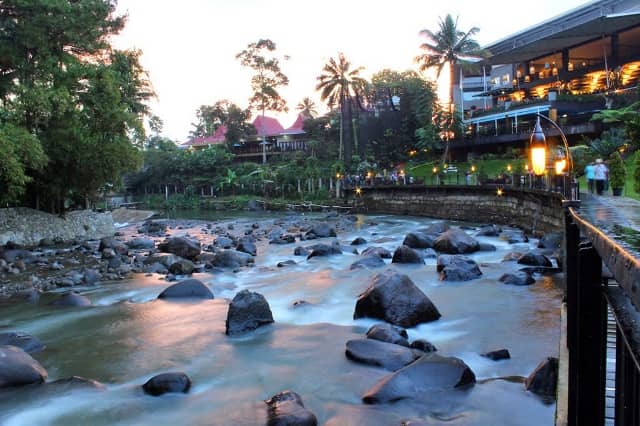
(128, 336)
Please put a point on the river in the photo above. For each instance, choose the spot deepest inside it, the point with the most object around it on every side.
(128, 336)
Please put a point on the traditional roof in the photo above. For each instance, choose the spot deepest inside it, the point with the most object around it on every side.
(215, 139)
(267, 126)
(296, 128)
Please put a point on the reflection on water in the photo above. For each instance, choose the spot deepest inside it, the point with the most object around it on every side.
(129, 336)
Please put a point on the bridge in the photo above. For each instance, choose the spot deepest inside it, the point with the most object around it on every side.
(599, 368)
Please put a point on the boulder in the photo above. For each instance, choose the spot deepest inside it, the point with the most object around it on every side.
(435, 228)
(423, 345)
(191, 288)
(489, 231)
(457, 267)
(324, 250)
(455, 241)
(358, 241)
(288, 262)
(422, 378)
(418, 240)
(380, 354)
(377, 251)
(535, 259)
(231, 259)
(513, 256)
(552, 240)
(92, 276)
(388, 333)
(394, 298)
(72, 299)
(544, 379)
(368, 262)
(486, 247)
(301, 251)
(181, 246)
(182, 267)
(247, 245)
(404, 254)
(167, 383)
(140, 243)
(286, 409)
(223, 242)
(116, 245)
(247, 311)
(24, 341)
(497, 355)
(517, 278)
(283, 239)
(320, 230)
(19, 368)
(152, 227)
(514, 236)
(165, 259)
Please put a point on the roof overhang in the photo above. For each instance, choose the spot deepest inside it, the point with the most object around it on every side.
(553, 37)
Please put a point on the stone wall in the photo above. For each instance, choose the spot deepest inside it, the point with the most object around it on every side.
(27, 227)
(536, 212)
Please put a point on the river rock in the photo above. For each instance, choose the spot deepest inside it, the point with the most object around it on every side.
(223, 242)
(435, 228)
(422, 378)
(286, 409)
(423, 345)
(231, 259)
(116, 245)
(517, 278)
(91, 276)
(544, 379)
(181, 246)
(404, 254)
(358, 241)
(301, 251)
(324, 250)
(155, 268)
(497, 355)
(288, 262)
(489, 231)
(514, 236)
(72, 299)
(418, 240)
(182, 267)
(19, 368)
(165, 259)
(457, 267)
(534, 259)
(368, 262)
(247, 245)
(167, 383)
(551, 240)
(11, 255)
(191, 288)
(283, 239)
(24, 341)
(153, 228)
(247, 311)
(140, 243)
(380, 354)
(394, 298)
(377, 251)
(320, 230)
(455, 241)
(486, 247)
(388, 333)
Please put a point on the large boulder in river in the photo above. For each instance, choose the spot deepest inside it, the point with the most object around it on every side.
(247, 311)
(457, 267)
(534, 259)
(455, 241)
(247, 245)
(72, 299)
(116, 245)
(517, 278)
(427, 377)
(152, 227)
(190, 288)
(418, 240)
(377, 251)
(388, 333)
(435, 228)
(231, 259)
(404, 254)
(368, 262)
(324, 250)
(167, 383)
(164, 259)
(552, 240)
(394, 298)
(181, 246)
(24, 341)
(19, 368)
(140, 243)
(320, 230)
(380, 354)
(286, 409)
(544, 379)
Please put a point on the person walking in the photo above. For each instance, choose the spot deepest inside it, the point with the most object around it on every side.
(600, 175)
(589, 174)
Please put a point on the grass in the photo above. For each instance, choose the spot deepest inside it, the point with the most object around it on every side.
(628, 186)
(491, 168)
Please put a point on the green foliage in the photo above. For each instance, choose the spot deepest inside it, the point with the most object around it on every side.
(636, 172)
(628, 117)
(20, 151)
(609, 141)
(581, 156)
(617, 171)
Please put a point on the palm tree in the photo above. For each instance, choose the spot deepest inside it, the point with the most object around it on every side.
(340, 85)
(307, 108)
(449, 46)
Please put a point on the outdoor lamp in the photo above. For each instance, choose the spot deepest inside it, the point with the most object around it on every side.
(538, 146)
(435, 170)
(560, 166)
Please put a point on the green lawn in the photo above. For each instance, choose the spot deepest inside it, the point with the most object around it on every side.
(491, 168)
(628, 186)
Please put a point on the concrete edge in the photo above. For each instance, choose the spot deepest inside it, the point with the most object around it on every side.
(562, 395)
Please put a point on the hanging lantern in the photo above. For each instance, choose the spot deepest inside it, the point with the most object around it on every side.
(538, 147)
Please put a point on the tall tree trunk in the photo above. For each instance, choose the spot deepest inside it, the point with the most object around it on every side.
(348, 134)
(450, 119)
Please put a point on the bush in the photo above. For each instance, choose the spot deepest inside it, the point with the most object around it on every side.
(636, 172)
(617, 171)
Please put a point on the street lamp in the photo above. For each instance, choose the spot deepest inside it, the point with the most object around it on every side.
(538, 147)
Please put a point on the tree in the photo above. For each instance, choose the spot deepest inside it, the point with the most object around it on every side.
(307, 108)
(340, 85)
(628, 116)
(265, 82)
(448, 46)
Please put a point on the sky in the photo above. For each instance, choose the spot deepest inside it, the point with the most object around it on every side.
(189, 47)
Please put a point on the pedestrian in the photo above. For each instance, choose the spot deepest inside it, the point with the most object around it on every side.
(600, 174)
(589, 174)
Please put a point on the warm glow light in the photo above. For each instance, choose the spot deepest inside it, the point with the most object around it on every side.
(509, 167)
(499, 192)
(435, 170)
(338, 175)
(473, 168)
(358, 191)
(560, 166)
(538, 159)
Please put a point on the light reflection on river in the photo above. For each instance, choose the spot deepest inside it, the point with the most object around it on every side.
(129, 336)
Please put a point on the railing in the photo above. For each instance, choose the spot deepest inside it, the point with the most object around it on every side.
(588, 297)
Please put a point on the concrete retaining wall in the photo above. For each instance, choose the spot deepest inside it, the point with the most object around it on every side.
(27, 226)
(536, 212)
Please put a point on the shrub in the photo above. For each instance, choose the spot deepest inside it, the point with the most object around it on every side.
(636, 172)
(617, 171)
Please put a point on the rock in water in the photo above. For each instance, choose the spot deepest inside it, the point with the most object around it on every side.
(418, 240)
(534, 259)
(368, 263)
(247, 311)
(24, 341)
(180, 246)
(430, 374)
(377, 251)
(320, 230)
(381, 354)
(18, 368)
(286, 409)
(517, 278)
(404, 254)
(72, 299)
(497, 355)
(455, 241)
(167, 383)
(394, 298)
(544, 379)
(457, 267)
(388, 333)
(188, 288)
